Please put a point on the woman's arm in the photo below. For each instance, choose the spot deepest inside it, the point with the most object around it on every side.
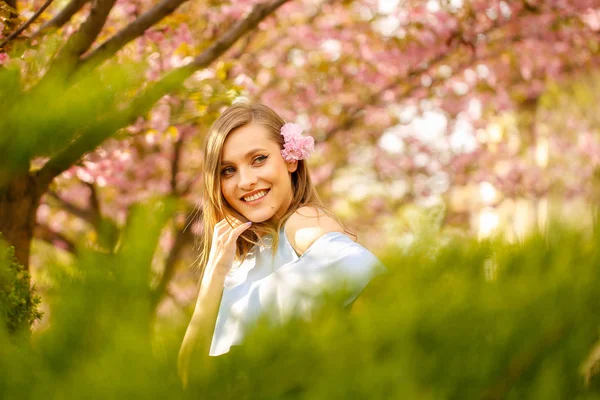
(198, 336)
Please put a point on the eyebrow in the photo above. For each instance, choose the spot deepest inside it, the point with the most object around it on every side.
(245, 155)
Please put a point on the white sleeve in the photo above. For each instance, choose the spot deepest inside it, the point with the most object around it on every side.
(332, 263)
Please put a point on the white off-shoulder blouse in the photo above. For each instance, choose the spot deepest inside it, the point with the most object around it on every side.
(286, 284)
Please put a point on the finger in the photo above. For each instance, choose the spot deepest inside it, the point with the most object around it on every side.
(226, 224)
(241, 228)
(221, 227)
(221, 223)
(234, 222)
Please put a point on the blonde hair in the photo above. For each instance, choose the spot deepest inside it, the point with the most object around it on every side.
(215, 207)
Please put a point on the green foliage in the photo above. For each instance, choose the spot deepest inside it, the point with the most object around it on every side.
(469, 320)
(89, 109)
(18, 301)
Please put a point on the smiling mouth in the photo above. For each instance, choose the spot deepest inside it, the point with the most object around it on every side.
(256, 196)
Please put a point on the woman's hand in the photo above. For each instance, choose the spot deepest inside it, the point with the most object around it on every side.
(223, 246)
(200, 330)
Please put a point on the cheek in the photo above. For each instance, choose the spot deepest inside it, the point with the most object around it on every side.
(278, 172)
(226, 189)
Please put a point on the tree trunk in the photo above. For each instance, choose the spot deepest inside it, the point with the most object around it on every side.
(18, 205)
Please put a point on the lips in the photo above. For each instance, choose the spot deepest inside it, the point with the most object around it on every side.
(255, 195)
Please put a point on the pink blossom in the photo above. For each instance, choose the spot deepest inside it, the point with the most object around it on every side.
(592, 19)
(296, 146)
(4, 58)
(155, 36)
(160, 117)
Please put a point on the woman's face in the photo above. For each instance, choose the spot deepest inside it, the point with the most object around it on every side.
(255, 179)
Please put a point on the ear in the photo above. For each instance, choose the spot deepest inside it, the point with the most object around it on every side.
(292, 166)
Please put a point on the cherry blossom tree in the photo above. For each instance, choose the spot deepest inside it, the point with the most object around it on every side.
(65, 70)
(404, 97)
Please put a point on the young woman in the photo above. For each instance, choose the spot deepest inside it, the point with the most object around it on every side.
(269, 246)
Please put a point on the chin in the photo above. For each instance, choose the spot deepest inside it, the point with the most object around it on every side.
(257, 218)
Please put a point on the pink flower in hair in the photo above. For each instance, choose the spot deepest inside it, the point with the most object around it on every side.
(296, 147)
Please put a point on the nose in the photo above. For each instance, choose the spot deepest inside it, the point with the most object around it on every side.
(247, 179)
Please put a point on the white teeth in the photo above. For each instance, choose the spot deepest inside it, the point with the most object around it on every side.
(255, 196)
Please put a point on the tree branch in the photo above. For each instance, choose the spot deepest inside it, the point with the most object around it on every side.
(309, 21)
(97, 133)
(94, 201)
(354, 113)
(275, 41)
(175, 78)
(62, 17)
(81, 40)
(375, 97)
(87, 215)
(238, 53)
(26, 24)
(175, 164)
(43, 232)
(260, 12)
(130, 32)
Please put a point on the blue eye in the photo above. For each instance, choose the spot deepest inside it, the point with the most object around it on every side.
(227, 171)
(260, 159)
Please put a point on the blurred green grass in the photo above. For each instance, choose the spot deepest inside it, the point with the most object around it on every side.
(453, 319)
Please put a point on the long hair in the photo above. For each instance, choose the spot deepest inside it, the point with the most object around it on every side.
(216, 208)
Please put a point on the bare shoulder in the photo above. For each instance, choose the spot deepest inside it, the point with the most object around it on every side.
(308, 224)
